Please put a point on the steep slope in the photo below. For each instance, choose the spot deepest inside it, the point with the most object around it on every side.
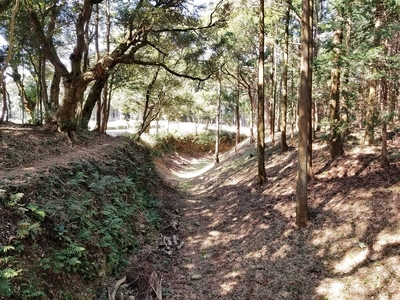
(72, 216)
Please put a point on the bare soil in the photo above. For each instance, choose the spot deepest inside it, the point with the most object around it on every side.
(238, 240)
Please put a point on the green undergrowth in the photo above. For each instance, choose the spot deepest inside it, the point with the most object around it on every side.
(65, 231)
(191, 143)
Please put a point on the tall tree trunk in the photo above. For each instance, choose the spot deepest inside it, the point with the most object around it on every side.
(7, 60)
(302, 212)
(371, 112)
(345, 91)
(335, 142)
(252, 103)
(92, 98)
(148, 108)
(217, 119)
(284, 145)
(65, 119)
(108, 85)
(99, 103)
(108, 90)
(310, 172)
(54, 95)
(373, 83)
(104, 109)
(9, 116)
(262, 177)
(293, 114)
(384, 102)
(4, 98)
(237, 113)
(273, 97)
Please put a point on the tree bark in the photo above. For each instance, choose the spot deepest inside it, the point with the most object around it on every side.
(373, 83)
(335, 142)
(302, 211)
(4, 98)
(310, 172)
(92, 98)
(237, 113)
(148, 108)
(284, 145)
(65, 118)
(262, 177)
(217, 119)
(252, 101)
(384, 104)
(272, 103)
(55, 91)
(7, 60)
(371, 112)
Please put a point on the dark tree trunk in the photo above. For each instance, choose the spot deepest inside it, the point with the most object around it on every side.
(65, 118)
(4, 99)
(104, 109)
(218, 119)
(335, 142)
(93, 97)
(371, 113)
(310, 172)
(252, 100)
(54, 100)
(106, 104)
(384, 104)
(373, 83)
(384, 159)
(302, 212)
(284, 145)
(262, 176)
(148, 115)
(237, 113)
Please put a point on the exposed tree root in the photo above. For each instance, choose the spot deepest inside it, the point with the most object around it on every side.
(111, 295)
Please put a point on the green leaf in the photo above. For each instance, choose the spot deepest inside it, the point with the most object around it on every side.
(9, 273)
(40, 213)
(6, 248)
(15, 198)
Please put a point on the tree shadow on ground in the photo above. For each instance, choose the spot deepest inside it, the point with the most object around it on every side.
(242, 240)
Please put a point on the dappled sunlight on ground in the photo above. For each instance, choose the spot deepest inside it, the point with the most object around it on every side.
(351, 260)
(243, 241)
(378, 280)
(386, 238)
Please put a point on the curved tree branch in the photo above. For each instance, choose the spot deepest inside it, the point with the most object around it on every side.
(47, 44)
(129, 60)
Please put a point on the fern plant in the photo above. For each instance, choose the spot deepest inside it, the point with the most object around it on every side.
(5, 281)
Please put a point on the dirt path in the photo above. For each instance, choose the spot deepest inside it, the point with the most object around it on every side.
(28, 150)
(241, 241)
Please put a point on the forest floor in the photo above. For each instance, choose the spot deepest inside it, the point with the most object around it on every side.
(239, 240)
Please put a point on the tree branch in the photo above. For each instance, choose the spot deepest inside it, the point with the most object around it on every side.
(11, 40)
(210, 24)
(129, 60)
(294, 11)
(47, 44)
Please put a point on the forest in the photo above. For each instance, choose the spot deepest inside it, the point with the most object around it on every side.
(310, 92)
